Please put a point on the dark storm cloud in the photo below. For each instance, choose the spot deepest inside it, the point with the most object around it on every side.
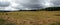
(32, 4)
(4, 4)
(56, 2)
(29, 4)
(35, 4)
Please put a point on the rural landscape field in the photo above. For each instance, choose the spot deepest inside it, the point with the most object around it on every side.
(30, 18)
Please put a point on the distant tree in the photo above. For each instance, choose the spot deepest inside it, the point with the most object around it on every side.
(52, 9)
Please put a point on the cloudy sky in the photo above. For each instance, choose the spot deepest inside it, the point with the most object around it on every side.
(13, 5)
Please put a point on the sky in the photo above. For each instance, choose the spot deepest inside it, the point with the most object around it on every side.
(14, 5)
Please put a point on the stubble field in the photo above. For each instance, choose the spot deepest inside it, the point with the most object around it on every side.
(30, 18)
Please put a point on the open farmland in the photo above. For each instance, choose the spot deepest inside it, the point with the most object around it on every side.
(30, 18)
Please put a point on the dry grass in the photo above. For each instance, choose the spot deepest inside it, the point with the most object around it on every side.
(32, 17)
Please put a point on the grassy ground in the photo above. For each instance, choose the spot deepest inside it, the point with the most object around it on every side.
(31, 18)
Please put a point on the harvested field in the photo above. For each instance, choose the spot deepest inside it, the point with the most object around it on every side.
(30, 18)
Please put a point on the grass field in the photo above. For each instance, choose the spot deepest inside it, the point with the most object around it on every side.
(30, 18)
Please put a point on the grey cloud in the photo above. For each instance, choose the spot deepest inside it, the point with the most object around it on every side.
(34, 4)
(30, 4)
(4, 4)
(56, 2)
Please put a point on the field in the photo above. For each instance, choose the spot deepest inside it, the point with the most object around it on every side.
(30, 18)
